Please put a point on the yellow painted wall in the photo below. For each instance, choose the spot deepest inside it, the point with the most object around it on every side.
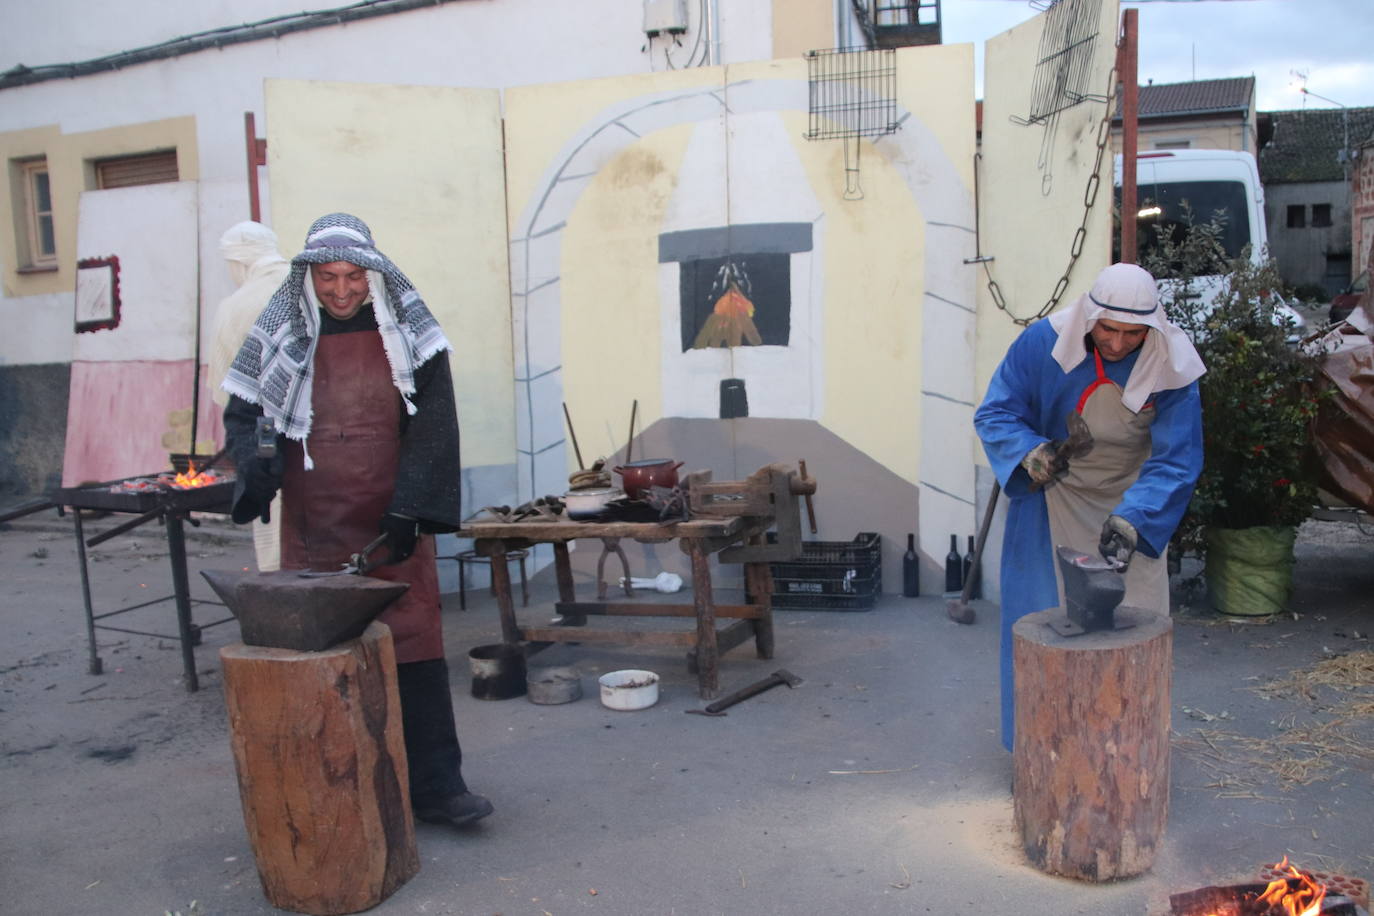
(874, 252)
(69, 173)
(422, 167)
(1028, 232)
(800, 26)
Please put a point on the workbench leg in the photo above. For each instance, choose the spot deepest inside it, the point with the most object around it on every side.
(176, 552)
(96, 665)
(567, 593)
(708, 657)
(758, 582)
(500, 586)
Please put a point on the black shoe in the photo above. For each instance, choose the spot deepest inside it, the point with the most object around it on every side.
(455, 810)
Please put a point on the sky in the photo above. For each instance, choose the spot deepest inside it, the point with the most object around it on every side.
(1325, 45)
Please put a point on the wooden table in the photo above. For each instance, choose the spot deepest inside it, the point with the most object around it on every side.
(698, 538)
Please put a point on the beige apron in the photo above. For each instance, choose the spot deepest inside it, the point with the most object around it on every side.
(1081, 500)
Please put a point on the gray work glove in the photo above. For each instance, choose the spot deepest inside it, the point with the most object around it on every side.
(1044, 463)
(1118, 541)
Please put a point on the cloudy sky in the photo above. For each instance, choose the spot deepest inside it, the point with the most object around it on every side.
(1330, 42)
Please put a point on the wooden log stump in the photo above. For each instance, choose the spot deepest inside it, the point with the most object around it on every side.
(322, 772)
(1091, 751)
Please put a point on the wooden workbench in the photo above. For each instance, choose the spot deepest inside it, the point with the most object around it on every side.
(698, 538)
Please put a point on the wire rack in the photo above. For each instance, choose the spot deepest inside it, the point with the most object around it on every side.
(853, 93)
(1066, 57)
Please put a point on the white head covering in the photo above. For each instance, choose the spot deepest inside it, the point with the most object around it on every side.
(250, 250)
(1128, 294)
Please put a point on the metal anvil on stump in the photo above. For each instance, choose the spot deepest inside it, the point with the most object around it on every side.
(1091, 751)
(322, 771)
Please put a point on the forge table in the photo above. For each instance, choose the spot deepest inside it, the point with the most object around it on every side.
(699, 538)
(173, 507)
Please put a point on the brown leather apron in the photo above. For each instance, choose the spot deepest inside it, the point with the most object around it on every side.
(331, 511)
(1081, 500)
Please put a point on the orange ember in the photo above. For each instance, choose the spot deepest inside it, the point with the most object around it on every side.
(189, 479)
(1305, 900)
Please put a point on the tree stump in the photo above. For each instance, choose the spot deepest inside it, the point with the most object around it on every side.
(322, 772)
(1091, 750)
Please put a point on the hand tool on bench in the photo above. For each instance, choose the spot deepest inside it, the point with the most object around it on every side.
(781, 676)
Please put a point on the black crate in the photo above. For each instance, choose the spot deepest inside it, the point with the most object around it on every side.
(831, 575)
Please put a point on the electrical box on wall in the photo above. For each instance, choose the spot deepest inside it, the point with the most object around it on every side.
(665, 16)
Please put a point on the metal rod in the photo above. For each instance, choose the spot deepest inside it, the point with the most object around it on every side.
(176, 552)
(95, 664)
(104, 536)
(629, 443)
(1127, 66)
(573, 436)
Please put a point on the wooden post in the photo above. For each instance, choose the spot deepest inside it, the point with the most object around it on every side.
(1091, 753)
(322, 772)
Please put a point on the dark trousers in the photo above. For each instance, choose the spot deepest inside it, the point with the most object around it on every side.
(432, 752)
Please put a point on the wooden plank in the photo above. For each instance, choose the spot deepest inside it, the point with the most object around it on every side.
(608, 637)
(707, 653)
(636, 609)
(727, 638)
(568, 530)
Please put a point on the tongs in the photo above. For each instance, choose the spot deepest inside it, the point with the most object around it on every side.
(357, 564)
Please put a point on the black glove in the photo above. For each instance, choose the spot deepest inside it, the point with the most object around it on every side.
(259, 479)
(1118, 541)
(401, 535)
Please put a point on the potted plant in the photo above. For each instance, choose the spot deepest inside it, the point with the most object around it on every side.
(1259, 479)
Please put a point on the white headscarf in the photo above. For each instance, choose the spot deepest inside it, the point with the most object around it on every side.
(1128, 294)
(250, 250)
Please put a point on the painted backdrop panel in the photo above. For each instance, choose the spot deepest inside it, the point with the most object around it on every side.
(132, 381)
(683, 244)
(422, 166)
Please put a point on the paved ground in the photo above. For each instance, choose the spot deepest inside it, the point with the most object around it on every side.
(878, 786)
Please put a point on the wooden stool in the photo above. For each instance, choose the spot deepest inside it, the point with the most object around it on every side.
(472, 556)
(1091, 752)
(322, 772)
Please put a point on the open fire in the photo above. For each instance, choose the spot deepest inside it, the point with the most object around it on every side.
(168, 480)
(1291, 892)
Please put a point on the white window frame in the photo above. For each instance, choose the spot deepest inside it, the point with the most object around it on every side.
(34, 255)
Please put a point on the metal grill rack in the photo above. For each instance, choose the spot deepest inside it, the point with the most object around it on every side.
(853, 93)
(1066, 57)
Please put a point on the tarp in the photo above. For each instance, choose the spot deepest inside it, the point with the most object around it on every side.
(1344, 437)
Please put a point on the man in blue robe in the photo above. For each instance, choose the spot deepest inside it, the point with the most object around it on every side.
(1113, 358)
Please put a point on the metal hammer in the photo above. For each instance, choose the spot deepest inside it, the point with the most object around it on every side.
(781, 676)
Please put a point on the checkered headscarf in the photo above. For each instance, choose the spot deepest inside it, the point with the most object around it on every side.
(274, 367)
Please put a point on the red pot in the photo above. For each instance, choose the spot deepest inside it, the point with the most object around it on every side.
(638, 476)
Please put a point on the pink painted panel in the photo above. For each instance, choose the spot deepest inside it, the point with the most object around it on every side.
(117, 416)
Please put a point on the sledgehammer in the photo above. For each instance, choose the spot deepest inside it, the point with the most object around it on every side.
(781, 676)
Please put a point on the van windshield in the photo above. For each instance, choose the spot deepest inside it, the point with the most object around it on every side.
(1162, 212)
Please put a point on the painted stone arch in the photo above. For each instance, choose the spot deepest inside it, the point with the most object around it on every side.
(947, 302)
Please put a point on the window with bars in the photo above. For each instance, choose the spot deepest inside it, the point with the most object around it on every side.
(143, 168)
(37, 240)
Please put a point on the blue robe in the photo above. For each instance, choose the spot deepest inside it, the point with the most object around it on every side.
(1027, 402)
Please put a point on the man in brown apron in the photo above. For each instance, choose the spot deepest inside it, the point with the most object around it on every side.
(353, 370)
(1113, 358)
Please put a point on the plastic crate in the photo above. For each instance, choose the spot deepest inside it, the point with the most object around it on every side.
(831, 575)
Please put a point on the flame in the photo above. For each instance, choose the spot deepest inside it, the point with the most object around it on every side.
(1305, 900)
(184, 480)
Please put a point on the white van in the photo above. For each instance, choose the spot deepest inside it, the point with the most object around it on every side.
(1211, 182)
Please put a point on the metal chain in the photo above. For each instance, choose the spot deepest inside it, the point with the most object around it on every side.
(1104, 136)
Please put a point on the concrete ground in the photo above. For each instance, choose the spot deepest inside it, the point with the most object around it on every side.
(877, 786)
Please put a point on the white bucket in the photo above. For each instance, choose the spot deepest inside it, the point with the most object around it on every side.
(629, 689)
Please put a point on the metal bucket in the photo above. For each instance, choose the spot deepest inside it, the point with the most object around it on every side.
(551, 686)
(498, 671)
